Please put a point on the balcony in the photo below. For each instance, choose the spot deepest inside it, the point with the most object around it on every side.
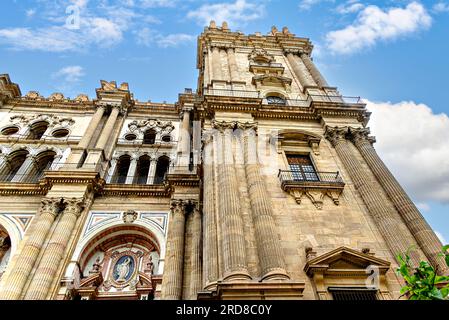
(335, 99)
(231, 93)
(315, 185)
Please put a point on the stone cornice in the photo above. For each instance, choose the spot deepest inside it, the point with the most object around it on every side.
(91, 179)
(136, 190)
(184, 180)
(21, 189)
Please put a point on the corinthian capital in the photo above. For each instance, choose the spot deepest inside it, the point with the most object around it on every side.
(246, 125)
(177, 206)
(74, 206)
(50, 205)
(361, 135)
(336, 134)
(224, 125)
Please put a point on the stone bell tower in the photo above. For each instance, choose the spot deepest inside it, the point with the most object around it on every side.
(329, 192)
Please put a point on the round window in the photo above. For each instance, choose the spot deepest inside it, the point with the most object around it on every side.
(130, 137)
(10, 131)
(60, 133)
(166, 138)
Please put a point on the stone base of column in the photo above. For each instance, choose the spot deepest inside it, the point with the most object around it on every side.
(240, 275)
(255, 291)
(275, 275)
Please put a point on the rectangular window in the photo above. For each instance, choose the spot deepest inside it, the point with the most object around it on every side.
(302, 168)
(353, 294)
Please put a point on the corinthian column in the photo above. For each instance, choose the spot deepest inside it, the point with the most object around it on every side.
(25, 261)
(234, 253)
(210, 224)
(216, 64)
(54, 252)
(301, 71)
(195, 254)
(174, 259)
(268, 244)
(85, 140)
(423, 233)
(377, 204)
(316, 74)
(109, 126)
(232, 62)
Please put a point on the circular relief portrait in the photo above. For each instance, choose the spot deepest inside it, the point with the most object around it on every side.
(124, 269)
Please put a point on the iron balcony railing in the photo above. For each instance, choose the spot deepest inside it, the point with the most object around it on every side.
(335, 98)
(21, 178)
(134, 180)
(289, 176)
(266, 64)
(304, 102)
(231, 93)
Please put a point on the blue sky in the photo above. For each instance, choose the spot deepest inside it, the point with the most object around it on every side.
(393, 53)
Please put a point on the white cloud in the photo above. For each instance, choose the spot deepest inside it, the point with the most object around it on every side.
(440, 236)
(103, 25)
(350, 6)
(308, 4)
(235, 14)
(423, 207)
(374, 24)
(441, 7)
(157, 3)
(69, 74)
(413, 142)
(30, 12)
(147, 37)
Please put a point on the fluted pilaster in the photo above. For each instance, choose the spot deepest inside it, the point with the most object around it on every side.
(301, 71)
(195, 254)
(25, 261)
(316, 74)
(174, 260)
(234, 253)
(210, 224)
(85, 140)
(232, 62)
(377, 204)
(54, 252)
(418, 226)
(109, 126)
(268, 245)
(217, 73)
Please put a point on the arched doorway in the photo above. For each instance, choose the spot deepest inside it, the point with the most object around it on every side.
(122, 263)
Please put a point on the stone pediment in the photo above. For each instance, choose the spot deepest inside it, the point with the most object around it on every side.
(272, 80)
(344, 259)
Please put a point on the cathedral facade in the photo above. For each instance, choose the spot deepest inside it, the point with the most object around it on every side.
(261, 184)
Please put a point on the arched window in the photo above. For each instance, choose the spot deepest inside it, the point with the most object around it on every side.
(5, 250)
(149, 137)
(44, 162)
(122, 169)
(37, 130)
(162, 166)
(143, 168)
(275, 100)
(16, 160)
